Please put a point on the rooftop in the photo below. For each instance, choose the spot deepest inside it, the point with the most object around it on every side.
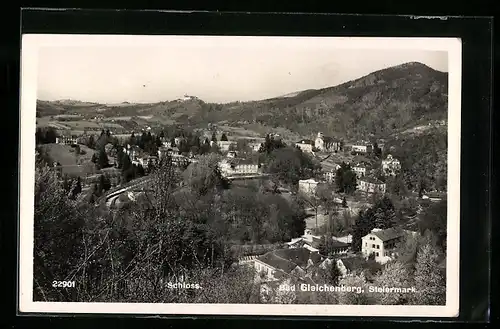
(308, 181)
(328, 139)
(354, 263)
(388, 234)
(371, 180)
(288, 259)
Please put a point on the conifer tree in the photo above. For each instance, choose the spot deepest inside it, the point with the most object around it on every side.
(430, 281)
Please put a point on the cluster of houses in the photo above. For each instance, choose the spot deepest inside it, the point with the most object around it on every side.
(366, 182)
(301, 260)
(330, 144)
(321, 143)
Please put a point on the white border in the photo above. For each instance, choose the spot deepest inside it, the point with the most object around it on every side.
(29, 69)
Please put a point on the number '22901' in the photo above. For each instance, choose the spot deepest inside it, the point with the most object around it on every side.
(63, 284)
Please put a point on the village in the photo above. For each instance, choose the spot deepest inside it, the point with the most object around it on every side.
(304, 259)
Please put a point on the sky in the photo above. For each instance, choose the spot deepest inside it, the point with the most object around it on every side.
(221, 70)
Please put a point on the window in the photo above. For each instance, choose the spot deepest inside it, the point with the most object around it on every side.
(376, 254)
(373, 246)
(378, 246)
(366, 244)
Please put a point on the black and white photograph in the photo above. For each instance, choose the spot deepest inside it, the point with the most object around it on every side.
(240, 175)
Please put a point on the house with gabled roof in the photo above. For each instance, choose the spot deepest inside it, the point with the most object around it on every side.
(381, 243)
(282, 263)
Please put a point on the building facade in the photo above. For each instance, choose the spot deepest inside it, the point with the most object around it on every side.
(371, 185)
(391, 166)
(308, 186)
(224, 146)
(360, 169)
(326, 144)
(67, 140)
(381, 243)
(233, 166)
(361, 148)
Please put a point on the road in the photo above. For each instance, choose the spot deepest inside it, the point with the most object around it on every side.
(115, 194)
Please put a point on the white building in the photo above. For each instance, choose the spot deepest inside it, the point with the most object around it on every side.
(371, 185)
(391, 166)
(361, 148)
(231, 167)
(324, 143)
(224, 145)
(305, 145)
(67, 140)
(381, 243)
(360, 170)
(308, 186)
(330, 176)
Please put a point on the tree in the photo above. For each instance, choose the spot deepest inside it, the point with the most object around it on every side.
(77, 150)
(395, 274)
(223, 137)
(384, 213)
(132, 141)
(430, 280)
(345, 179)
(270, 144)
(334, 274)
(102, 159)
(407, 252)
(57, 235)
(435, 220)
(358, 296)
(104, 184)
(344, 202)
(204, 175)
(184, 146)
(363, 224)
(76, 189)
(377, 151)
(172, 142)
(205, 147)
(91, 142)
(291, 165)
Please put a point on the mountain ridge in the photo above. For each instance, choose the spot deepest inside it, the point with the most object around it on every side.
(392, 98)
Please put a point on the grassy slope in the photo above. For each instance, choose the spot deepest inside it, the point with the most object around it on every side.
(63, 155)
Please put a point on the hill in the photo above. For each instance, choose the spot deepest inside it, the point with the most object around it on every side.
(389, 100)
(379, 103)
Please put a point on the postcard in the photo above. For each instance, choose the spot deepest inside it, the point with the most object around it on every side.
(224, 175)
